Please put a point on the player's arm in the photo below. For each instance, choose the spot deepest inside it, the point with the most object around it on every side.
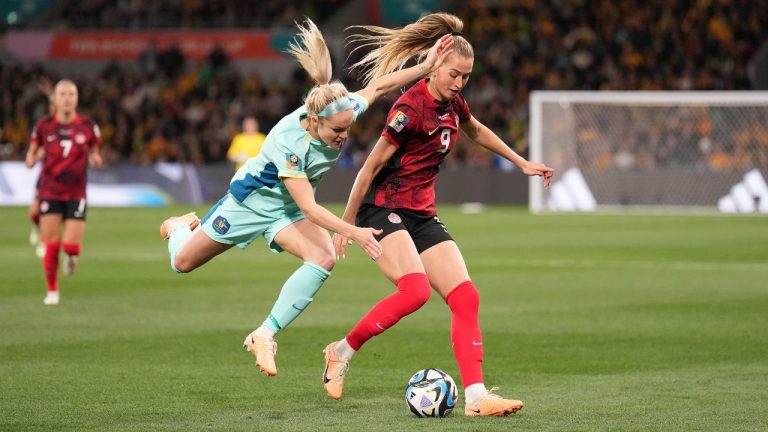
(35, 152)
(485, 137)
(94, 149)
(31, 158)
(302, 193)
(395, 80)
(382, 152)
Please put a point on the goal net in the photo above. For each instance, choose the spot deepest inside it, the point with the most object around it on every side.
(651, 151)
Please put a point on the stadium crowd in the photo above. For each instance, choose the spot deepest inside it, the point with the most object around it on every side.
(166, 108)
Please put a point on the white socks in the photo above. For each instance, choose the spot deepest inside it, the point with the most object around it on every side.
(474, 393)
(343, 349)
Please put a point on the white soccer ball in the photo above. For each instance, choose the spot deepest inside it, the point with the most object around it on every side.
(431, 393)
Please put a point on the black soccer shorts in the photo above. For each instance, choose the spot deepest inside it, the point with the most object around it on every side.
(426, 231)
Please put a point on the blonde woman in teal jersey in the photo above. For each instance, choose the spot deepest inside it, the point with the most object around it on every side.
(273, 194)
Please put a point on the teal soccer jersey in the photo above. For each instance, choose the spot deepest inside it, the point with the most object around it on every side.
(289, 151)
(258, 203)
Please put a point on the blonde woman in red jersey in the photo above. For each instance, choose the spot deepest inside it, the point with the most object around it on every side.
(394, 191)
(70, 143)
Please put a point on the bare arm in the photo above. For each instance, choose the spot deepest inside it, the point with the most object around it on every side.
(94, 157)
(302, 193)
(380, 155)
(485, 137)
(32, 154)
(400, 78)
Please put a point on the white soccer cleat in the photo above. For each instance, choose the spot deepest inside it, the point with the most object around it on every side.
(70, 265)
(51, 298)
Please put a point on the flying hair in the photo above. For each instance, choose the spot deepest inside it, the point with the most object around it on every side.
(313, 55)
(392, 48)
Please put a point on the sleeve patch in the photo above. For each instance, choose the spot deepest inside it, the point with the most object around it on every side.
(399, 120)
(292, 162)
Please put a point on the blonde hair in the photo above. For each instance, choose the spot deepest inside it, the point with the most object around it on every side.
(394, 47)
(312, 54)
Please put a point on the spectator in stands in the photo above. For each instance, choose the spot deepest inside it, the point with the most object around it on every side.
(246, 144)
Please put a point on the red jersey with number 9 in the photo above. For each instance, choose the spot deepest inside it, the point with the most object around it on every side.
(424, 130)
(63, 176)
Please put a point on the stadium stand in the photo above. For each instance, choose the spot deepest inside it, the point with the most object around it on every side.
(163, 108)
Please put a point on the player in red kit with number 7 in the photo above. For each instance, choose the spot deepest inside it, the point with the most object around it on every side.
(71, 142)
(395, 192)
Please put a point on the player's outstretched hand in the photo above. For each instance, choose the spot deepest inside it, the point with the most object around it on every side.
(539, 169)
(365, 238)
(340, 243)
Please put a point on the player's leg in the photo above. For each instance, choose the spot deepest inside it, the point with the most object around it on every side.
(74, 230)
(400, 264)
(71, 243)
(34, 216)
(191, 249)
(51, 217)
(312, 245)
(448, 275)
(220, 229)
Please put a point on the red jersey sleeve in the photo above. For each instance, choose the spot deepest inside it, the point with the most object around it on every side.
(402, 122)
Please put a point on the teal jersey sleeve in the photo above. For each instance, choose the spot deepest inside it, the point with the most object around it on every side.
(290, 154)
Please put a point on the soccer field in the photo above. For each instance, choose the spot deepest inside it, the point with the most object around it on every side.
(596, 322)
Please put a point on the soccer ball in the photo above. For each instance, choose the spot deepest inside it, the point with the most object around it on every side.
(431, 393)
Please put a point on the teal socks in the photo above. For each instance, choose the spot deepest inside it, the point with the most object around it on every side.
(297, 293)
(179, 236)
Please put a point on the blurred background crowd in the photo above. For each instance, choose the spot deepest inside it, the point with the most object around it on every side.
(164, 107)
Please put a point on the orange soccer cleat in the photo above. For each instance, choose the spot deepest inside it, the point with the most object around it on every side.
(190, 219)
(335, 372)
(264, 349)
(493, 405)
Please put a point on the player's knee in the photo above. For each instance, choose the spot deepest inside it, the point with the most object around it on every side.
(420, 294)
(182, 265)
(322, 258)
(465, 297)
(416, 287)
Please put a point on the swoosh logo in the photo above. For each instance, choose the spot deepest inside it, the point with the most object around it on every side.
(476, 343)
(475, 410)
(435, 130)
(379, 326)
(296, 307)
(326, 380)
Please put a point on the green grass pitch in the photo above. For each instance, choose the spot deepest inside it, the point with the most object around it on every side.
(597, 322)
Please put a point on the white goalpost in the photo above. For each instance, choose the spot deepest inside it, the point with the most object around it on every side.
(679, 152)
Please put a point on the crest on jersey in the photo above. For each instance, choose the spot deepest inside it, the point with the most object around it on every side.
(292, 162)
(399, 120)
(80, 138)
(394, 218)
(221, 225)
